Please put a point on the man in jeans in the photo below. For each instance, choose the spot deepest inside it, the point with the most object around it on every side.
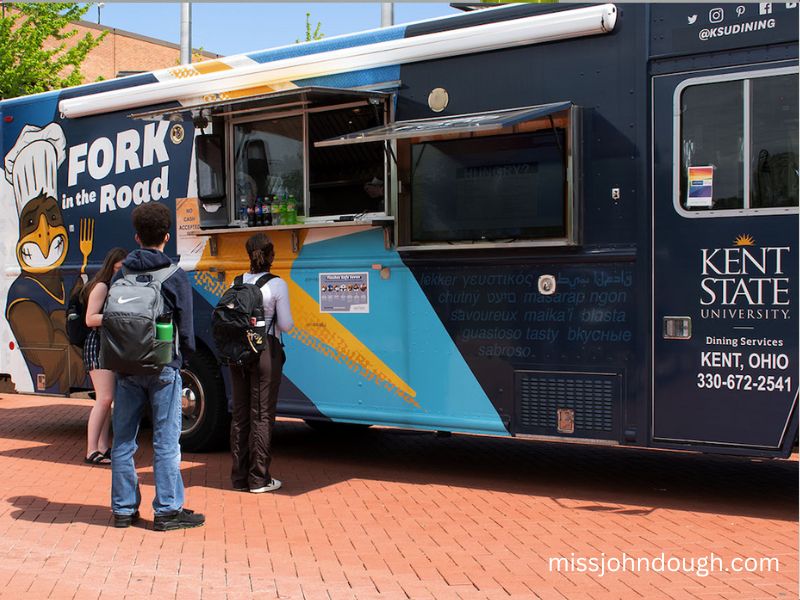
(162, 391)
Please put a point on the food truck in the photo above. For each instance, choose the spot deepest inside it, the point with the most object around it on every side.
(559, 222)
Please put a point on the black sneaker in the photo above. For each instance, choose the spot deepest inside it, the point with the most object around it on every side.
(125, 520)
(183, 519)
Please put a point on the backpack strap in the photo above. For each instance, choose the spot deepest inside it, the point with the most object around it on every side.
(163, 274)
(160, 275)
(274, 328)
(261, 282)
(265, 278)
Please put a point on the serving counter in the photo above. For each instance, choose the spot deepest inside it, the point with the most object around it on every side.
(386, 222)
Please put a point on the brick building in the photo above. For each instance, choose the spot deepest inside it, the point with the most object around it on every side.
(124, 53)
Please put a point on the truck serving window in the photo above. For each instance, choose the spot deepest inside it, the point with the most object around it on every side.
(738, 144)
(265, 145)
(506, 187)
(271, 156)
(268, 159)
(488, 178)
(345, 180)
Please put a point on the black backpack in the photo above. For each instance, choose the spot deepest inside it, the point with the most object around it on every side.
(238, 341)
(76, 319)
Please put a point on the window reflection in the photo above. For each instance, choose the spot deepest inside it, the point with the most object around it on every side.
(774, 168)
(268, 159)
(507, 187)
(715, 133)
(712, 134)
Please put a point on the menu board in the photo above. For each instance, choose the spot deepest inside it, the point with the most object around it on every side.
(344, 292)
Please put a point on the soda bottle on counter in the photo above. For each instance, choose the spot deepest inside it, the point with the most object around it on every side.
(275, 210)
(266, 210)
(251, 215)
(242, 211)
(279, 210)
(259, 210)
(291, 211)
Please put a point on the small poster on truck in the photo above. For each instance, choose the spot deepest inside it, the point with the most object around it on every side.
(701, 187)
(344, 292)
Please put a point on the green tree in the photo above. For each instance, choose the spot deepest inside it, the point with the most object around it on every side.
(34, 53)
(311, 35)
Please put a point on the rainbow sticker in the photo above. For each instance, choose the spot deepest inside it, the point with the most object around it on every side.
(701, 186)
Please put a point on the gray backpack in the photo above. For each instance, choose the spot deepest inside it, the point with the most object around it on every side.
(128, 341)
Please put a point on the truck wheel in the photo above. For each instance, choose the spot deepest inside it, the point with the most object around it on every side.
(205, 420)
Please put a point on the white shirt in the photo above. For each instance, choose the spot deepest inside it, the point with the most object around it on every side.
(276, 295)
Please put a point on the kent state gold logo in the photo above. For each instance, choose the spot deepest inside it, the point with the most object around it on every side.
(176, 134)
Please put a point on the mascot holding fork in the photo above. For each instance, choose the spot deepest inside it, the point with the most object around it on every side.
(37, 299)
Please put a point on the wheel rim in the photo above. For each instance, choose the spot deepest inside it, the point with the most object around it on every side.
(193, 403)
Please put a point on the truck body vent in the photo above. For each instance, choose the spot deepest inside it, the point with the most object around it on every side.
(572, 404)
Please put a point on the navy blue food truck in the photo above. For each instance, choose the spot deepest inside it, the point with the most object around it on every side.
(548, 221)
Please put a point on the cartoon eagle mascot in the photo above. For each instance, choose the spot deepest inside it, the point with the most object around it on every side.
(37, 299)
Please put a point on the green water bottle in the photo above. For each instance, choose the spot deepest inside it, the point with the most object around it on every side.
(282, 205)
(164, 328)
(291, 211)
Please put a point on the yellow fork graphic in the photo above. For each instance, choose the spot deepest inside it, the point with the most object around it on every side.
(86, 237)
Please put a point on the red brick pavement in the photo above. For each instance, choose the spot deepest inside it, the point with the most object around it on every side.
(390, 514)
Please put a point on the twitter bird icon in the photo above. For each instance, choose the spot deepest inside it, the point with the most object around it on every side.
(692, 19)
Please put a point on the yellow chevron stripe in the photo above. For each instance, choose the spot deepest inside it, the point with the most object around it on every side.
(320, 331)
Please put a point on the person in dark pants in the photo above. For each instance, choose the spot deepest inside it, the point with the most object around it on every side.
(161, 391)
(255, 388)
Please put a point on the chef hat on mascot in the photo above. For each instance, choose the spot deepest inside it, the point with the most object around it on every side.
(31, 166)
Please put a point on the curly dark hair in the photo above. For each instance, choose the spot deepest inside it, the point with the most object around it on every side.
(152, 222)
(261, 252)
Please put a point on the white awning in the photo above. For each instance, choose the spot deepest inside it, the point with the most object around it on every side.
(548, 27)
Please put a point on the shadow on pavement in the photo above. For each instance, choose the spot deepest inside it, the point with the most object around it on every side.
(587, 478)
(41, 510)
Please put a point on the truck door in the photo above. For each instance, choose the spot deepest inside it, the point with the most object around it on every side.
(725, 256)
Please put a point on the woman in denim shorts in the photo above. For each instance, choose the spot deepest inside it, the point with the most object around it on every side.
(93, 296)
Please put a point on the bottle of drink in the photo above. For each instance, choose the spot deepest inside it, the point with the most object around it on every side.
(291, 211)
(251, 215)
(277, 213)
(243, 211)
(164, 327)
(284, 212)
(259, 209)
(266, 209)
(258, 319)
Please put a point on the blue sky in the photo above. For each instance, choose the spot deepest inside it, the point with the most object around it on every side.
(233, 28)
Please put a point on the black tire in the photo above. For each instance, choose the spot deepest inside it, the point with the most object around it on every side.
(205, 418)
(336, 428)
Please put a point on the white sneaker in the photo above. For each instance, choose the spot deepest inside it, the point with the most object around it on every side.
(273, 485)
